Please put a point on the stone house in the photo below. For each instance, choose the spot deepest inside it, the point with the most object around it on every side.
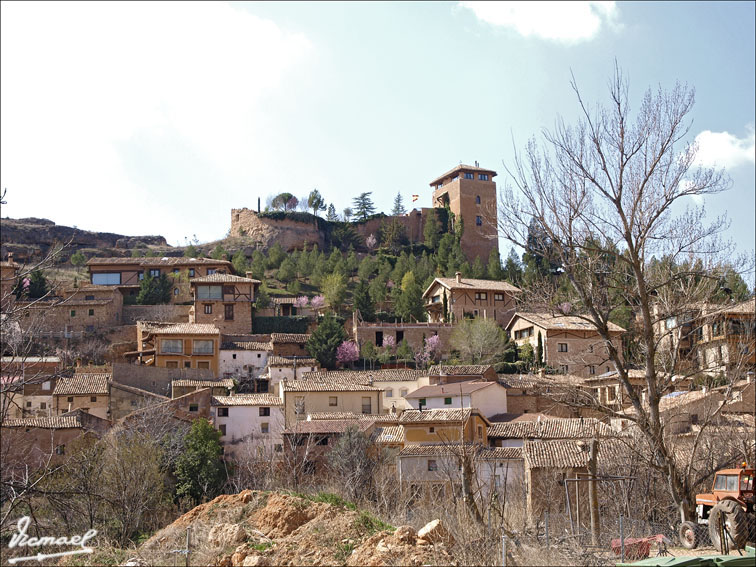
(225, 301)
(515, 433)
(87, 392)
(185, 386)
(154, 379)
(414, 333)
(249, 419)
(467, 297)
(125, 274)
(444, 426)
(244, 359)
(27, 385)
(527, 394)
(490, 398)
(127, 399)
(187, 408)
(327, 395)
(289, 344)
(570, 344)
(289, 368)
(182, 345)
(32, 441)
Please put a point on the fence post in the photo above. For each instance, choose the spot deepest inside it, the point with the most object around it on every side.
(504, 550)
(546, 521)
(188, 541)
(622, 539)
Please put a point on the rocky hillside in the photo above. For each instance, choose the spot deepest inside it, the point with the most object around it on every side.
(31, 238)
(273, 528)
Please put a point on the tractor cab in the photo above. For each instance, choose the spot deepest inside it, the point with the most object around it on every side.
(730, 483)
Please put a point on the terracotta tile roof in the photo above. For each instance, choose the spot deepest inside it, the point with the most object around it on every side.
(289, 337)
(247, 400)
(81, 301)
(329, 426)
(555, 428)
(6, 264)
(523, 381)
(459, 370)
(284, 300)
(462, 167)
(55, 422)
(431, 450)
(186, 329)
(222, 278)
(284, 361)
(390, 434)
(326, 385)
(473, 284)
(446, 390)
(189, 383)
(363, 376)
(138, 391)
(552, 322)
(164, 261)
(432, 415)
(570, 454)
(246, 345)
(332, 415)
(81, 384)
(500, 453)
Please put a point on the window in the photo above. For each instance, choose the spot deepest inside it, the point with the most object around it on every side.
(399, 337)
(172, 346)
(175, 291)
(70, 399)
(379, 338)
(191, 272)
(403, 392)
(222, 412)
(563, 368)
(264, 412)
(229, 312)
(591, 370)
(91, 312)
(694, 418)
(92, 398)
(73, 312)
(171, 364)
(208, 308)
(333, 401)
(42, 405)
(265, 427)
(202, 347)
(447, 401)
(46, 385)
(60, 450)
(477, 199)
(469, 176)
(211, 271)
(209, 292)
(422, 401)
(367, 406)
(107, 278)
(141, 276)
(222, 429)
(187, 364)
(193, 407)
(388, 392)
(203, 364)
(89, 298)
(228, 290)
(480, 432)
(498, 297)
(481, 295)
(483, 176)
(432, 465)
(478, 220)
(562, 347)
(175, 270)
(155, 273)
(28, 404)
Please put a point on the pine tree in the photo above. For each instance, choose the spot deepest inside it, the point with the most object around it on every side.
(363, 205)
(494, 266)
(325, 339)
(154, 290)
(431, 230)
(276, 255)
(478, 269)
(331, 214)
(239, 261)
(334, 290)
(398, 206)
(539, 351)
(363, 302)
(316, 202)
(410, 303)
(258, 265)
(218, 253)
(78, 259)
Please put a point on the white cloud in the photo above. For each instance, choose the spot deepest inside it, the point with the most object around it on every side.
(86, 87)
(722, 149)
(565, 22)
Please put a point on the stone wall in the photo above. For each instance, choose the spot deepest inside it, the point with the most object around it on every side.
(154, 379)
(413, 333)
(166, 313)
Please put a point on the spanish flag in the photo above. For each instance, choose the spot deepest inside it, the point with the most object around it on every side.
(415, 198)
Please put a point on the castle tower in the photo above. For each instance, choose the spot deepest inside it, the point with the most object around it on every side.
(470, 193)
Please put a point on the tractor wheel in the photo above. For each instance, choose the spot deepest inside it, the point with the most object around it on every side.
(735, 520)
(689, 535)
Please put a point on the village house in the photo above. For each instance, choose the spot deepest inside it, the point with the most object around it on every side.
(245, 360)
(327, 395)
(490, 398)
(414, 333)
(528, 395)
(125, 399)
(453, 299)
(225, 301)
(179, 345)
(569, 344)
(185, 386)
(515, 433)
(87, 392)
(289, 344)
(125, 274)
(30, 442)
(196, 404)
(249, 419)
(444, 426)
(27, 385)
(289, 368)
(395, 383)
(154, 379)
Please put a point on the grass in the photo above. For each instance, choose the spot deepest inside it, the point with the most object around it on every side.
(343, 551)
(333, 499)
(368, 523)
(261, 546)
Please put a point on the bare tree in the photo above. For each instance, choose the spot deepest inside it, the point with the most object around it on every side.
(606, 198)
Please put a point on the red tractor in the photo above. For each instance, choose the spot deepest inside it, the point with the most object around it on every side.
(731, 502)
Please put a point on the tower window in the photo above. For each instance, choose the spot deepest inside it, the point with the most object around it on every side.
(483, 176)
(479, 220)
(477, 199)
(469, 176)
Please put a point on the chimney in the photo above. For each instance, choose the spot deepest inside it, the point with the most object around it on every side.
(258, 204)
(476, 163)
(370, 379)
(10, 257)
(458, 275)
(249, 275)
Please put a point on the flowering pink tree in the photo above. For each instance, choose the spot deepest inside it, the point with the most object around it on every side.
(389, 342)
(301, 302)
(347, 352)
(317, 302)
(429, 352)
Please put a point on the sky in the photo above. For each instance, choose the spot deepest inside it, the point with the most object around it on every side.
(159, 118)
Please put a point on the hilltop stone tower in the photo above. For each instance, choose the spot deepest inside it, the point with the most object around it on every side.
(470, 193)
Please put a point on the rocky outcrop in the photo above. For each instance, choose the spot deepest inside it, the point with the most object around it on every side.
(289, 233)
(33, 237)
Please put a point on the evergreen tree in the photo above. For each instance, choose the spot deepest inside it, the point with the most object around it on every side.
(78, 259)
(402, 266)
(363, 302)
(398, 205)
(334, 290)
(325, 339)
(331, 214)
(304, 264)
(513, 269)
(445, 308)
(377, 286)
(431, 230)
(262, 299)
(478, 269)
(276, 255)
(258, 265)
(347, 214)
(494, 266)
(363, 205)
(218, 253)
(351, 262)
(410, 302)
(367, 268)
(199, 469)
(191, 251)
(154, 290)
(284, 202)
(33, 287)
(316, 202)
(539, 351)
(239, 262)
(287, 272)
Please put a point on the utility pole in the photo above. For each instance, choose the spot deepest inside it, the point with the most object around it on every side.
(593, 493)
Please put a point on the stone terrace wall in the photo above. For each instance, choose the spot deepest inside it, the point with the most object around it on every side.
(166, 313)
